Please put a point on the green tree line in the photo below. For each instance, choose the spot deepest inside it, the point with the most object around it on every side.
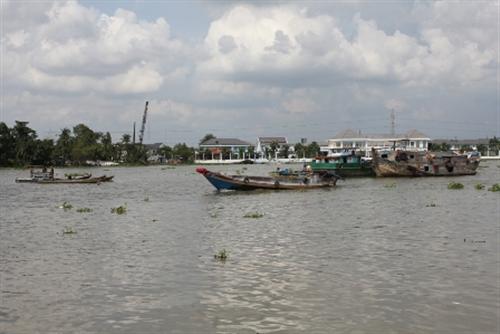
(493, 146)
(20, 146)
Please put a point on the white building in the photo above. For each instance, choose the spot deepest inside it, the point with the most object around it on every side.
(350, 140)
(225, 149)
(263, 147)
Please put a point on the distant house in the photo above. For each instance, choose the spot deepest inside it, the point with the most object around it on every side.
(350, 140)
(264, 146)
(225, 148)
(153, 153)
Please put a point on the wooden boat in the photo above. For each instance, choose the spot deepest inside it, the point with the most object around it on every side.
(78, 176)
(94, 180)
(346, 165)
(47, 177)
(286, 173)
(244, 182)
(409, 163)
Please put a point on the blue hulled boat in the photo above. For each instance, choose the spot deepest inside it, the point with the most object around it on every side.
(244, 182)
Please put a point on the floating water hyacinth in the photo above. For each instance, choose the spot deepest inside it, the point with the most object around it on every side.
(69, 230)
(253, 215)
(221, 255)
(390, 185)
(120, 210)
(146, 199)
(455, 185)
(479, 186)
(66, 206)
(84, 210)
(495, 187)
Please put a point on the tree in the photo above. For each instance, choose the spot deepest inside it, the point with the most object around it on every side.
(312, 150)
(183, 152)
(208, 136)
(43, 152)
(273, 147)
(7, 145)
(284, 151)
(24, 139)
(107, 149)
(85, 145)
(64, 146)
(483, 149)
(300, 150)
(166, 151)
(126, 138)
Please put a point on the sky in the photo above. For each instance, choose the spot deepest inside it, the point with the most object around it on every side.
(243, 69)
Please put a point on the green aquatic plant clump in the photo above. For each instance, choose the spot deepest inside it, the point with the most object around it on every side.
(455, 185)
(69, 230)
(495, 187)
(66, 206)
(120, 210)
(479, 186)
(82, 210)
(253, 215)
(390, 185)
(221, 255)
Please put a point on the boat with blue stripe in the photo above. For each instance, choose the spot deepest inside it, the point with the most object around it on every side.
(244, 182)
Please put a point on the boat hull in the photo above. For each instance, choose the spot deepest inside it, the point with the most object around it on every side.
(242, 182)
(346, 165)
(92, 180)
(344, 170)
(402, 163)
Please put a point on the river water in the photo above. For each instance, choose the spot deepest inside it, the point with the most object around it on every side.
(373, 255)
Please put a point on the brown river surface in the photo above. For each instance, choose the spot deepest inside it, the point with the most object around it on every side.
(373, 255)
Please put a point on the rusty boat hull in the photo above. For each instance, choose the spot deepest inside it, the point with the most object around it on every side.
(410, 164)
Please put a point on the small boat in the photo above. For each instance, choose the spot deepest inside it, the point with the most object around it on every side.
(78, 176)
(244, 182)
(47, 177)
(286, 173)
(345, 165)
(410, 163)
(98, 179)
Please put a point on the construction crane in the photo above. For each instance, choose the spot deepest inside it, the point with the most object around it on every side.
(143, 126)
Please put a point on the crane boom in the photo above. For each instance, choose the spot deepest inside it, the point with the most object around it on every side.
(143, 126)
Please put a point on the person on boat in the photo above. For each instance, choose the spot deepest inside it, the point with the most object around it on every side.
(52, 172)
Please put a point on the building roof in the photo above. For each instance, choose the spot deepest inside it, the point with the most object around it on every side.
(218, 142)
(269, 140)
(154, 146)
(351, 134)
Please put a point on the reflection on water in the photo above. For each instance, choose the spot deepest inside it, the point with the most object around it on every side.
(364, 258)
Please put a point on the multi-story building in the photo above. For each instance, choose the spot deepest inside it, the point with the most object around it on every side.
(350, 140)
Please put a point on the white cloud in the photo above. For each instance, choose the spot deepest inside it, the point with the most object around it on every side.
(77, 49)
(259, 65)
(266, 41)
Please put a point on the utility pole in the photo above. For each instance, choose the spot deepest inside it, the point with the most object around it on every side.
(133, 135)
